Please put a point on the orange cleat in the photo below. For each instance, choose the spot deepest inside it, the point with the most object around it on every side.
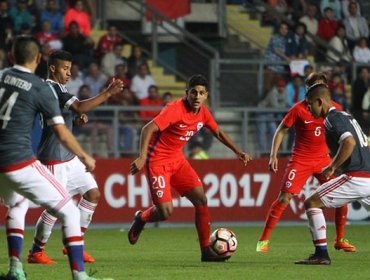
(87, 257)
(343, 244)
(39, 257)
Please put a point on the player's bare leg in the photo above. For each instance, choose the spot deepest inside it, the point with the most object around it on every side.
(317, 226)
(276, 210)
(203, 224)
(155, 213)
(340, 242)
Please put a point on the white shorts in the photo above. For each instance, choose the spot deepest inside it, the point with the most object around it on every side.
(343, 190)
(73, 176)
(36, 183)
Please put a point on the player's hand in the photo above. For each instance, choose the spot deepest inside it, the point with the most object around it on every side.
(89, 162)
(273, 164)
(137, 165)
(81, 120)
(327, 172)
(115, 87)
(244, 157)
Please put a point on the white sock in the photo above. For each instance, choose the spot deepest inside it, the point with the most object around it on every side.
(44, 226)
(87, 210)
(317, 226)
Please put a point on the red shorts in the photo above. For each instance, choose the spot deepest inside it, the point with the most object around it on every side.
(177, 174)
(298, 172)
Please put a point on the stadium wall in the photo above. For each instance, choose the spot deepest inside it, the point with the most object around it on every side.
(236, 193)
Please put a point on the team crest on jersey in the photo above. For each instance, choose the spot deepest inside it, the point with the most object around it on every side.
(199, 126)
(159, 194)
(288, 184)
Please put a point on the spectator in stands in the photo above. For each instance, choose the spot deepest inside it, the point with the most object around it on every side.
(77, 14)
(297, 43)
(54, 16)
(111, 59)
(276, 98)
(95, 79)
(359, 88)
(3, 59)
(338, 91)
(361, 53)
(356, 26)
(120, 73)
(153, 99)
(339, 43)
(42, 68)
(196, 151)
(94, 129)
(135, 59)
(108, 41)
(327, 25)
(310, 21)
(276, 52)
(334, 5)
(296, 90)
(75, 80)
(167, 97)
(46, 36)
(345, 8)
(141, 81)
(90, 8)
(6, 23)
(20, 16)
(307, 70)
(78, 45)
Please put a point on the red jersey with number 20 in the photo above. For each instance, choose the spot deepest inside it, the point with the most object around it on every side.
(177, 124)
(309, 132)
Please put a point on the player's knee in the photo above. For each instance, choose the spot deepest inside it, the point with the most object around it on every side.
(200, 201)
(92, 195)
(68, 211)
(285, 198)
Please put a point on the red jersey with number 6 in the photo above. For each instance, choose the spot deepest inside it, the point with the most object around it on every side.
(177, 124)
(309, 132)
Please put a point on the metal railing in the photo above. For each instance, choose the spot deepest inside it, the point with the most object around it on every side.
(242, 124)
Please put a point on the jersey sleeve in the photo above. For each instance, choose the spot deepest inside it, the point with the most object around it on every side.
(49, 105)
(168, 116)
(340, 126)
(291, 117)
(65, 98)
(210, 121)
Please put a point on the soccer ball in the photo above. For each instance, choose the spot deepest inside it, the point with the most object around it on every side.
(223, 242)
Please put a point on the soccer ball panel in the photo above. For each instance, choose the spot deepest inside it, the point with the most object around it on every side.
(223, 241)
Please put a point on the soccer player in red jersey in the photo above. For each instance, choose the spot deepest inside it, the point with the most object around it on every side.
(161, 144)
(309, 156)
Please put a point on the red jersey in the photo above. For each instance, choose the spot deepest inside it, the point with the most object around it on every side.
(148, 115)
(309, 132)
(177, 124)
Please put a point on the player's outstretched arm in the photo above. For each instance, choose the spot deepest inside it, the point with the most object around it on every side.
(276, 142)
(225, 139)
(146, 133)
(84, 106)
(344, 152)
(66, 137)
(81, 120)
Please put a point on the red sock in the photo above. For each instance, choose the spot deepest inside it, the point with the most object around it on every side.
(273, 217)
(203, 225)
(146, 215)
(340, 221)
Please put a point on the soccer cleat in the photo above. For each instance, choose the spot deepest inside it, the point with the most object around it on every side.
(136, 228)
(343, 244)
(315, 260)
(87, 257)
(262, 246)
(83, 276)
(17, 274)
(208, 255)
(39, 257)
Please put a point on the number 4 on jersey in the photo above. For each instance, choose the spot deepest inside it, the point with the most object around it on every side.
(6, 107)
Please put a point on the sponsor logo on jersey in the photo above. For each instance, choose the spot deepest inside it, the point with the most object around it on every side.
(288, 184)
(159, 193)
(199, 126)
(307, 122)
(182, 125)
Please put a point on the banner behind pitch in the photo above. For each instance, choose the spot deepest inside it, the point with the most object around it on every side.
(236, 193)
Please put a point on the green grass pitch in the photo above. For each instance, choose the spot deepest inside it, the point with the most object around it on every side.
(172, 253)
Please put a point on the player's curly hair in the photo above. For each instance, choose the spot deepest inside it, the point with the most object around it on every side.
(314, 77)
(59, 55)
(197, 80)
